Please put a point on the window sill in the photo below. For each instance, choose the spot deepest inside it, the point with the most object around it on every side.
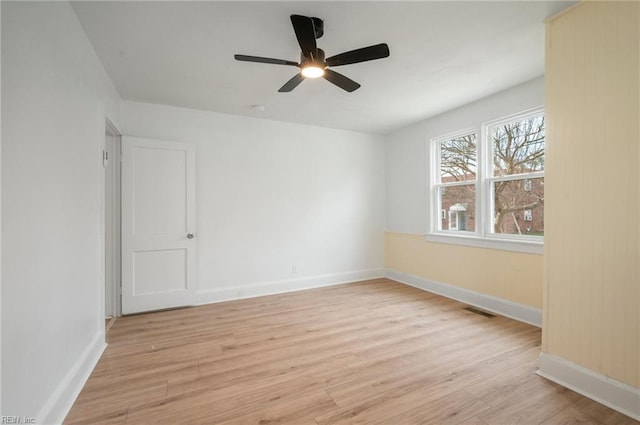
(526, 246)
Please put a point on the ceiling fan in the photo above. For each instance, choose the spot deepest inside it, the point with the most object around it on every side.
(312, 59)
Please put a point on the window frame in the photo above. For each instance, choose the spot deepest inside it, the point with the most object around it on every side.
(435, 183)
(483, 236)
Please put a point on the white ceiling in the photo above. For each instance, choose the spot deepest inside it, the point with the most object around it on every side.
(443, 55)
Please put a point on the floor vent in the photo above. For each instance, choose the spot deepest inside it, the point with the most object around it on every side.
(480, 312)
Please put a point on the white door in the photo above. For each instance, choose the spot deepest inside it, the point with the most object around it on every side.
(158, 224)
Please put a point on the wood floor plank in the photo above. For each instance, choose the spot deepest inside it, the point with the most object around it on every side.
(371, 352)
(442, 373)
(533, 408)
(472, 421)
(299, 411)
(238, 398)
(452, 409)
(571, 416)
(507, 384)
(602, 413)
(360, 401)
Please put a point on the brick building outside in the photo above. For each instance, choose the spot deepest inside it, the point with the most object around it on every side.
(519, 207)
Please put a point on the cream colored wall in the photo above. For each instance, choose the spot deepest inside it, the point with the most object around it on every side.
(592, 216)
(509, 275)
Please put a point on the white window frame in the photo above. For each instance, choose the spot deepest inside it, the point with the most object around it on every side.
(483, 236)
(453, 220)
(435, 184)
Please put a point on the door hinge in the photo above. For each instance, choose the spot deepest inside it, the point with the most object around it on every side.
(105, 158)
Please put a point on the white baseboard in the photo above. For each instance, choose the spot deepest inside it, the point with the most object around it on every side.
(615, 394)
(282, 286)
(59, 403)
(520, 312)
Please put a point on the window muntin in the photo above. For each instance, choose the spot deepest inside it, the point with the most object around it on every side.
(490, 187)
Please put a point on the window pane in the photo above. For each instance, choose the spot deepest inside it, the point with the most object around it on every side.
(518, 211)
(458, 208)
(518, 146)
(458, 159)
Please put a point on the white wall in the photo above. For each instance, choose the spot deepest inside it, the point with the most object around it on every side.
(55, 99)
(406, 167)
(272, 195)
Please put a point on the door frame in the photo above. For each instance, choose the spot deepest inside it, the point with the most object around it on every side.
(112, 214)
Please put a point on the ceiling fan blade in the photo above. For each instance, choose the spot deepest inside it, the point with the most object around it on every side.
(305, 33)
(291, 84)
(260, 59)
(340, 80)
(364, 54)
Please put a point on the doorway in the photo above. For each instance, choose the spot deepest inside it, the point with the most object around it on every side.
(112, 250)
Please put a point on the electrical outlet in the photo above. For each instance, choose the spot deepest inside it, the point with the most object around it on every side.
(294, 269)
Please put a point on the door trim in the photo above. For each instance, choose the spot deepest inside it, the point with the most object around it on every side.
(112, 212)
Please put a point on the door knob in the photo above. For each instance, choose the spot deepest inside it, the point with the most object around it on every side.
(189, 235)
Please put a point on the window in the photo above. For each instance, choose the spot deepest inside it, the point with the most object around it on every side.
(487, 186)
(456, 183)
(517, 174)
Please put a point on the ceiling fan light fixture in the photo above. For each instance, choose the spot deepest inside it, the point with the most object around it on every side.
(312, 71)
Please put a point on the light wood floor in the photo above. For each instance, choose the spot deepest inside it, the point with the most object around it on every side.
(374, 352)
